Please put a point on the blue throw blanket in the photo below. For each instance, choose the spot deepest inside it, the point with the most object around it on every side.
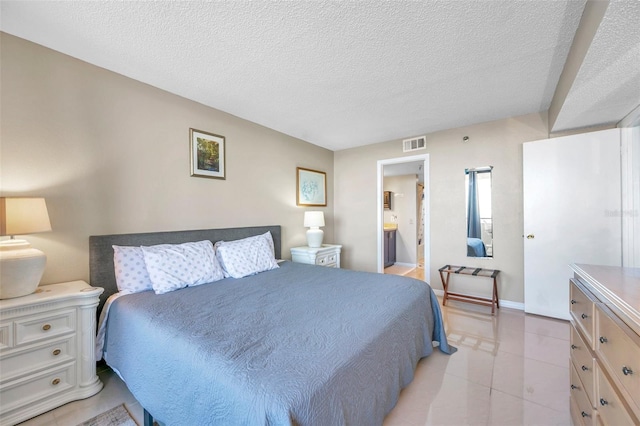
(300, 344)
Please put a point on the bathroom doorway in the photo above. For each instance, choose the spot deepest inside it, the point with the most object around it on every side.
(411, 216)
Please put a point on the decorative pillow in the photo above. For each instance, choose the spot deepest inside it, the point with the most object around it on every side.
(174, 266)
(130, 270)
(247, 256)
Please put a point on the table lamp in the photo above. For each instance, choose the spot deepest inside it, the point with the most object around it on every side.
(314, 220)
(21, 266)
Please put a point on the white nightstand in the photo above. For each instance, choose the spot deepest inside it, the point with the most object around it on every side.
(327, 255)
(47, 349)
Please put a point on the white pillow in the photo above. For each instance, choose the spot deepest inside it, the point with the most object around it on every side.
(267, 236)
(247, 256)
(130, 270)
(174, 266)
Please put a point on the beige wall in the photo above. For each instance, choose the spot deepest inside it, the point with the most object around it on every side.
(498, 144)
(111, 155)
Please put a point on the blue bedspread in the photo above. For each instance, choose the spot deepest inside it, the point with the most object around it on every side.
(476, 248)
(300, 344)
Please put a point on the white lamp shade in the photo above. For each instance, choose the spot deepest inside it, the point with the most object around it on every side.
(313, 219)
(22, 216)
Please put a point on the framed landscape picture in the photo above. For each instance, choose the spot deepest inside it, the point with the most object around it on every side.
(207, 154)
(312, 187)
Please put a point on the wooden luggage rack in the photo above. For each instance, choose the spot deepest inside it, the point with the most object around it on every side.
(475, 272)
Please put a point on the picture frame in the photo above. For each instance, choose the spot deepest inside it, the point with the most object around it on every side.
(311, 187)
(207, 152)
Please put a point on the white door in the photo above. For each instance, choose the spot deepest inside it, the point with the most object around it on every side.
(572, 204)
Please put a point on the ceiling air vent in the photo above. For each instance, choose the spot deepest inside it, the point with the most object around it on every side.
(414, 144)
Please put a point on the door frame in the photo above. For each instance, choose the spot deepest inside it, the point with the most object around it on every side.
(380, 208)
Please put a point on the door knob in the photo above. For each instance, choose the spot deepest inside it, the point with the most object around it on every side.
(530, 237)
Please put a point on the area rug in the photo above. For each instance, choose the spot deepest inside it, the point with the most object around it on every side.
(117, 416)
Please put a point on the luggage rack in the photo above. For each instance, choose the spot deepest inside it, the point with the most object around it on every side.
(475, 272)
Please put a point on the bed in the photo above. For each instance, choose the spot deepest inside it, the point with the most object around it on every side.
(294, 345)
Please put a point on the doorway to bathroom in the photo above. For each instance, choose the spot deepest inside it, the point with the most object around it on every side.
(403, 216)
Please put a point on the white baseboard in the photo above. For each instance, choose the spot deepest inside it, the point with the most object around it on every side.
(503, 303)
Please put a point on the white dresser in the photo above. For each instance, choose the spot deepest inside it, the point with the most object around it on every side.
(327, 255)
(47, 354)
(605, 345)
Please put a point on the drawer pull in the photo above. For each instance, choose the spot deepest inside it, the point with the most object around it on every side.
(603, 402)
(626, 371)
(573, 302)
(603, 339)
(585, 414)
(584, 368)
(55, 381)
(574, 387)
(574, 347)
(46, 327)
(584, 316)
(56, 352)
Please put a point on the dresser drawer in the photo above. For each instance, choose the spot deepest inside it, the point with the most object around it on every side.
(582, 312)
(22, 363)
(584, 364)
(37, 387)
(610, 406)
(618, 348)
(582, 412)
(33, 329)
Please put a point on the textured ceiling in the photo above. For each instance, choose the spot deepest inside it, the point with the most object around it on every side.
(607, 86)
(336, 74)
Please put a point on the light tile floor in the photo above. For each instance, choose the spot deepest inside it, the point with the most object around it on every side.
(510, 369)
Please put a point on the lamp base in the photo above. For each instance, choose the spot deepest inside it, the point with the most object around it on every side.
(21, 268)
(314, 237)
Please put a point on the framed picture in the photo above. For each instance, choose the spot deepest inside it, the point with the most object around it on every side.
(312, 187)
(207, 154)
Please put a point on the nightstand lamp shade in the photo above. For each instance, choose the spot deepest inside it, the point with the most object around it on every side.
(313, 221)
(21, 266)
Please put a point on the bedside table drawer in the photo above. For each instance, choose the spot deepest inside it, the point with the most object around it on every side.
(44, 327)
(24, 391)
(327, 260)
(20, 363)
(328, 255)
(5, 336)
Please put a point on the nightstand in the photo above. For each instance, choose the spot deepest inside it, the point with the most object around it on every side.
(327, 255)
(47, 349)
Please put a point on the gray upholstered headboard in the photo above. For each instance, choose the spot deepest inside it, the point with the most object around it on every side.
(101, 270)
